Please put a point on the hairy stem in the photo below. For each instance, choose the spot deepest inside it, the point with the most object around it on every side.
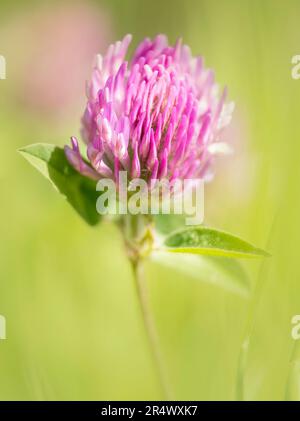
(150, 326)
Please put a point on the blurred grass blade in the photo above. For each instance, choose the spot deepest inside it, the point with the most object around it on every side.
(79, 191)
(202, 240)
(241, 393)
(292, 391)
(293, 384)
(220, 271)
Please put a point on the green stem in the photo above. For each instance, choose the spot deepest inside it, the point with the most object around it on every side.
(150, 326)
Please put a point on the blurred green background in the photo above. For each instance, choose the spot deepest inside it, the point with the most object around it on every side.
(74, 329)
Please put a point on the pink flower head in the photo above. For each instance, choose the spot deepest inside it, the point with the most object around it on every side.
(158, 116)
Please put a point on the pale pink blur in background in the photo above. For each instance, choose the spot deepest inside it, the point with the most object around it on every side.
(236, 173)
(56, 45)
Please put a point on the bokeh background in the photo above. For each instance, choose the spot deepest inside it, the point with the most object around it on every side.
(74, 329)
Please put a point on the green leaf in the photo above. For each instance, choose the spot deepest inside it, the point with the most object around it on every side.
(79, 191)
(202, 240)
(223, 272)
